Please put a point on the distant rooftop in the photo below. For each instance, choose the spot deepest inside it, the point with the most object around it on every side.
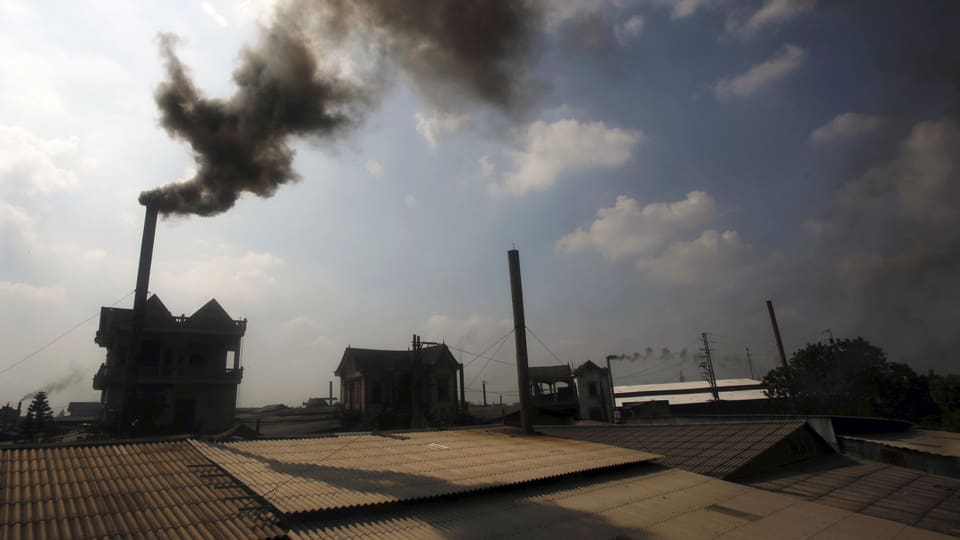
(689, 392)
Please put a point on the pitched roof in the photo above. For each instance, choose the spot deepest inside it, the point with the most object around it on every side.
(212, 314)
(355, 470)
(588, 365)
(653, 503)
(549, 373)
(124, 490)
(876, 489)
(719, 450)
(366, 359)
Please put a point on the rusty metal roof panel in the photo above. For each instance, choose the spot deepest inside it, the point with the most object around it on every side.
(710, 449)
(305, 475)
(145, 489)
(658, 503)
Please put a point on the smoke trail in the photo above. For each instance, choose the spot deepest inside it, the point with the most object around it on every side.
(70, 378)
(287, 87)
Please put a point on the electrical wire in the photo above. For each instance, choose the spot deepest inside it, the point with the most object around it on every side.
(61, 336)
(487, 363)
(555, 357)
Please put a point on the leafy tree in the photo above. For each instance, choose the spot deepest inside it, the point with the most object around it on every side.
(945, 390)
(39, 417)
(850, 377)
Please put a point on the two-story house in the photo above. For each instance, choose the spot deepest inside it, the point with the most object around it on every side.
(186, 373)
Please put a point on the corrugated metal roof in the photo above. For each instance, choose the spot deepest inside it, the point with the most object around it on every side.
(680, 399)
(943, 443)
(710, 449)
(664, 504)
(873, 488)
(668, 388)
(164, 489)
(303, 475)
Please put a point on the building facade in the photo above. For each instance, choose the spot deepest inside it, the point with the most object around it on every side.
(392, 389)
(596, 395)
(186, 373)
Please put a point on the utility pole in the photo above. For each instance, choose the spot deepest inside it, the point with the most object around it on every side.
(520, 334)
(613, 393)
(707, 366)
(484, 393)
(750, 363)
(776, 333)
(416, 385)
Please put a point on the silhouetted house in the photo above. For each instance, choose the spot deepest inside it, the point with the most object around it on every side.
(184, 378)
(553, 393)
(594, 391)
(9, 417)
(378, 387)
(87, 410)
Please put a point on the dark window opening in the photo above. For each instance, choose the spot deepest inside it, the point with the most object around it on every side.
(592, 389)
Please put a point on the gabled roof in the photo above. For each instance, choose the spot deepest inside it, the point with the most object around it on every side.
(211, 316)
(549, 373)
(721, 449)
(370, 359)
(588, 365)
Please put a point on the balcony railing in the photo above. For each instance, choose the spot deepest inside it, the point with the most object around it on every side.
(167, 375)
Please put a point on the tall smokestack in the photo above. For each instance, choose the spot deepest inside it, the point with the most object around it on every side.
(520, 334)
(125, 418)
(776, 333)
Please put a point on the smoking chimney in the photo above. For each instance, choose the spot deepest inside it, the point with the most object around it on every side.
(125, 417)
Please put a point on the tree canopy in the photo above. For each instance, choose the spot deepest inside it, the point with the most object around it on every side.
(39, 416)
(851, 377)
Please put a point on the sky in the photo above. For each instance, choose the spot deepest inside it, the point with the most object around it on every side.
(663, 167)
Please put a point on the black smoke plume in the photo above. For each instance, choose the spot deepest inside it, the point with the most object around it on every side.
(65, 381)
(287, 85)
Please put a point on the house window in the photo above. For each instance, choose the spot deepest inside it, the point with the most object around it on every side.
(592, 389)
(443, 389)
(376, 393)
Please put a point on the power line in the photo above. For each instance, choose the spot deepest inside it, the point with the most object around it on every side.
(555, 357)
(492, 358)
(61, 336)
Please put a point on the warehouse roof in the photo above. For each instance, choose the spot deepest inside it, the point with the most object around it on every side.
(655, 503)
(873, 488)
(307, 475)
(715, 449)
(124, 490)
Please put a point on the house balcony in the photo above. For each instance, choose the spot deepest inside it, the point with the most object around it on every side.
(108, 375)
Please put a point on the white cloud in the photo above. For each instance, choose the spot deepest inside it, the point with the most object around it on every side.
(772, 12)
(27, 162)
(210, 10)
(846, 126)
(628, 30)
(437, 124)
(714, 256)
(486, 166)
(550, 150)
(373, 167)
(681, 9)
(629, 230)
(16, 294)
(761, 76)
(247, 275)
(16, 225)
